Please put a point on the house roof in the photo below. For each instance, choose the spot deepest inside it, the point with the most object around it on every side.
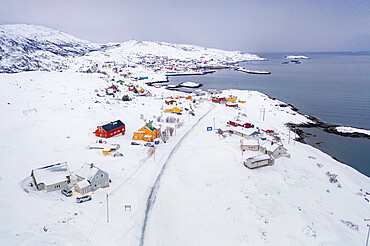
(51, 174)
(259, 158)
(250, 142)
(112, 125)
(83, 184)
(255, 133)
(150, 125)
(270, 146)
(87, 171)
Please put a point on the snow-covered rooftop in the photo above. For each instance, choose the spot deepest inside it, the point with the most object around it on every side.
(250, 142)
(259, 158)
(87, 171)
(52, 174)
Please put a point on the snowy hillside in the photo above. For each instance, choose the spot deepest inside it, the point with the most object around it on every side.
(138, 49)
(37, 48)
(31, 47)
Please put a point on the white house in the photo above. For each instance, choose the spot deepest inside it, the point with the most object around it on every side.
(90, 178)
(249, 144)
(52, 177)
(273, 149)
(258, 161)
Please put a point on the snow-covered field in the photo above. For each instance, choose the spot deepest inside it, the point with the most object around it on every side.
(205, 196)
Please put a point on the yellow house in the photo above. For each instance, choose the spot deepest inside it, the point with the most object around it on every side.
(147, 133)
(231, 99)
(173, 110)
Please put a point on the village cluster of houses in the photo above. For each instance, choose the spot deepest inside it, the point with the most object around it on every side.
(254, 140)
(269, 151)
(230, 101)
(158, 64)
(89, 177)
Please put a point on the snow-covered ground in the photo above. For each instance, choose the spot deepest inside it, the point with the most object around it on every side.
(347, 129)
(205, 195)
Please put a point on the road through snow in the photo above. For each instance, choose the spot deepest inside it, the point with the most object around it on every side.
(153, 192)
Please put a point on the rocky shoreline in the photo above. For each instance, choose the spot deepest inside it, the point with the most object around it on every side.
(317, 123)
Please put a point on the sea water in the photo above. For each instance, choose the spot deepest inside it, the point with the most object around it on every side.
(334, 87)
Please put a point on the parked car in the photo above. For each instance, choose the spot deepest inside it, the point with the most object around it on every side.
(134, 143)
(156, 142)
(179, 113)
(66, 192)
(149, 145)
(192, 113)
(83, 199)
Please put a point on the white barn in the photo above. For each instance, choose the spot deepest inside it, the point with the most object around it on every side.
(258, 161)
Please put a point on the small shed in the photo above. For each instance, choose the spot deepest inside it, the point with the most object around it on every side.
(171, 102)
(52, 177)
(173, 110)
(258, 161)
(111, 129)
(232, 105)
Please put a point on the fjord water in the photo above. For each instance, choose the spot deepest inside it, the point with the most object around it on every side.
(334, 87)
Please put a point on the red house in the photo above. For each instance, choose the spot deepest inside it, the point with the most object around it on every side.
(112, 129)
(245, 125)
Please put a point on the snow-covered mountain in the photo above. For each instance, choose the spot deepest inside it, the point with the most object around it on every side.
(138, 49)
(37, 48)
(33, 47)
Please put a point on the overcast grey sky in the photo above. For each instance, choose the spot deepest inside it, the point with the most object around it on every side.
(250, 25)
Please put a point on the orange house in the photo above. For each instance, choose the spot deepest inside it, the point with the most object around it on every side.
(173, 110)
(147, 133)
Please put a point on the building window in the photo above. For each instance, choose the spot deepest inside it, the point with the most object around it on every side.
(95, 185)
(96, 177)
(102, 175)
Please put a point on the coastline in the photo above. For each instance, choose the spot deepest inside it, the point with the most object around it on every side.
(314, 123)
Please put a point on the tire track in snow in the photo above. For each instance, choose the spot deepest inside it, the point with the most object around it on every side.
(153, 192)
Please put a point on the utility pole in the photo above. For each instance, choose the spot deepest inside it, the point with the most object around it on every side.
(107, 210)
(262, 113)
(368, 232)
(289, 137)
(214, 124)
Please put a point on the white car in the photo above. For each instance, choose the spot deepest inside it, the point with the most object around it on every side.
(66, 192)
(83, 199)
